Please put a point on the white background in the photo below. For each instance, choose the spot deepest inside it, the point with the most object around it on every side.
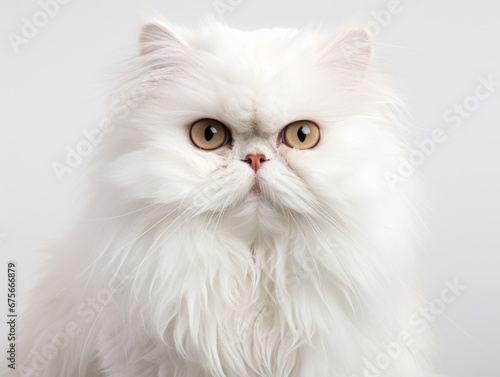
(55, 87)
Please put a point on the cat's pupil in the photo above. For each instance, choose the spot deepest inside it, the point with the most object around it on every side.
(303, 132)
(210, 131)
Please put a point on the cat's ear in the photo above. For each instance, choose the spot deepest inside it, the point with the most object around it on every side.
(353, 51)
(157, 42)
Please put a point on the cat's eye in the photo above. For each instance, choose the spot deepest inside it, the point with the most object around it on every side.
(302, 134)
(209, 134)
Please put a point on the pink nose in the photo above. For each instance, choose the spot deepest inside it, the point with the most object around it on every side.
(255, 160)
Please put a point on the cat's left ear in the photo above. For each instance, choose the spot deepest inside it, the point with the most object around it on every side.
(352, 51)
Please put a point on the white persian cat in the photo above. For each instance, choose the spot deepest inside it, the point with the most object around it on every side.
(240, 222)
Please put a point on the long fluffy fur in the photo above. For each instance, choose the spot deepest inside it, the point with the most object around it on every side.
(178, 268)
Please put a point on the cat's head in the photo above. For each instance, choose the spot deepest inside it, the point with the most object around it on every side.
(298, 120)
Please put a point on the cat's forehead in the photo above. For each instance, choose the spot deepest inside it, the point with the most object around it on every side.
(257, 79)
(220, 39)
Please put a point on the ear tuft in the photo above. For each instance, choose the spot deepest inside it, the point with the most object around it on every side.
(155, 37)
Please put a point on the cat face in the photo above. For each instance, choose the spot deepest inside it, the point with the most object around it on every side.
(291, 119)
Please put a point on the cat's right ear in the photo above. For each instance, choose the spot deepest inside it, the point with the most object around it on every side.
(158, 43)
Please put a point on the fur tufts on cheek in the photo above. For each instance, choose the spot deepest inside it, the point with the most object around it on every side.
(225, 188)
(164, 179)
(285, 190)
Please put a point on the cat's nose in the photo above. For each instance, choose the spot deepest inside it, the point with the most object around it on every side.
(255, 160)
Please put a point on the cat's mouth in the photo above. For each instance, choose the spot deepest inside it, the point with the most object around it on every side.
(255, 187)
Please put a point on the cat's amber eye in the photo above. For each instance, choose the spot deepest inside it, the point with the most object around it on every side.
(209, 134)
(302, 134)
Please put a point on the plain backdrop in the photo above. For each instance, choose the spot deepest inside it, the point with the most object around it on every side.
(55, 86)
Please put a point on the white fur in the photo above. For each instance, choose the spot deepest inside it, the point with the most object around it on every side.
(179, 268)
